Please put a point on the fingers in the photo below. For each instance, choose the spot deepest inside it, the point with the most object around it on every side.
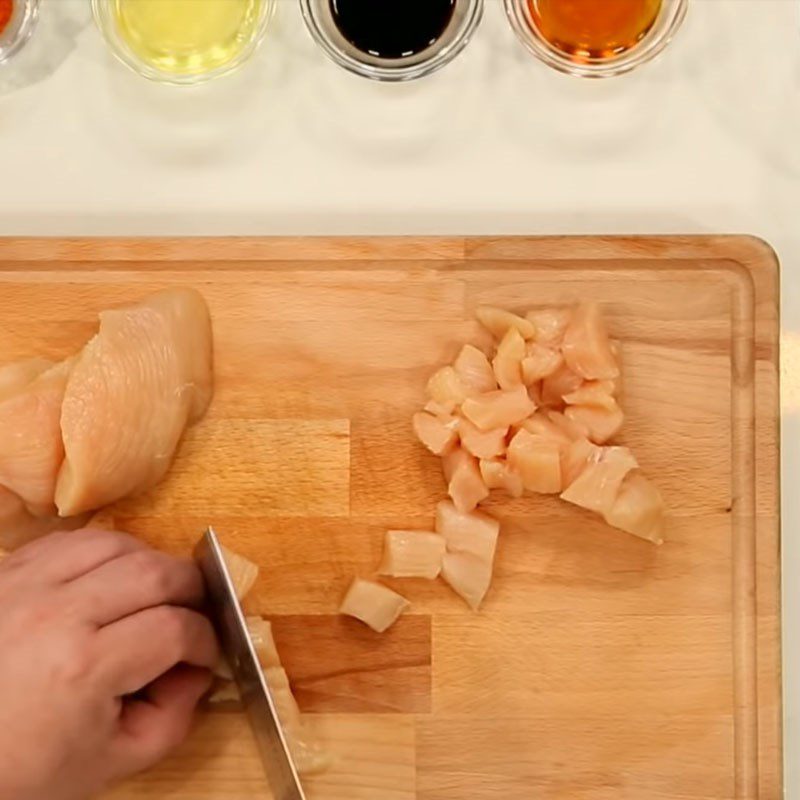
(153, 726)
(66, 555)
(136, 650)
(133, 582)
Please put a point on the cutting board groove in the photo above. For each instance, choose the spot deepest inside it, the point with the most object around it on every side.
(600, 667)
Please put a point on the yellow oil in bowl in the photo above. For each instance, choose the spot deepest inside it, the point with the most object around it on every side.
(188, 37)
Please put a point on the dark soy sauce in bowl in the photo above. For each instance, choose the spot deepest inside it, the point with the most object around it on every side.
(392, 28)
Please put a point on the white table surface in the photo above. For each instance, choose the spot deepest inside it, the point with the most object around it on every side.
(706, 139)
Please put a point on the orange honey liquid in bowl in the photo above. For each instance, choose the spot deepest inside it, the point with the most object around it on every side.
(593, 29)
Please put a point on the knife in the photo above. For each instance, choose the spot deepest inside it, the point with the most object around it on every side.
(228, 619)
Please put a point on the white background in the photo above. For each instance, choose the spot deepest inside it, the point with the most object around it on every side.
(706, 139)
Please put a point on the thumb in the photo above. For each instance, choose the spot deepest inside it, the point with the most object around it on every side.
(159, 718)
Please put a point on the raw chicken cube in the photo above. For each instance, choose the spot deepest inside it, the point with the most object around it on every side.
(538, 462)
(468, 576)
(498, 321)
(474, 370)
(554, 387)
(586, 346)
(412, 554)
(498, 409)
(638, 508)
(598, 424)
(539, 362)
(438, 434)
(446, 389)
(464, 482)
(596, 488)
(475, 533)
(482, 444)
(507, 363)
(549, 325)
(373, 604)
(497, 474)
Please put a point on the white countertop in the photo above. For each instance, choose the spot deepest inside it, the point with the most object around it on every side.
(706, 139)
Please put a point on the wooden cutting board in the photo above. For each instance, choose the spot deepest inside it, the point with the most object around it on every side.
(600, 666)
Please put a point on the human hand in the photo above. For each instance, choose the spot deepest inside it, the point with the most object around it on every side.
(102, 662)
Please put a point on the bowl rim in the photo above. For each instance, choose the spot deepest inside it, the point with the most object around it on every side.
(23, 33)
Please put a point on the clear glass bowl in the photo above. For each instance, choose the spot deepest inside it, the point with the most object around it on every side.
(106, 19)
(467, 15)
(669, 19)
(19, 29)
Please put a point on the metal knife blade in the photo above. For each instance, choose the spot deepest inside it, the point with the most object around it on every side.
(226, 614)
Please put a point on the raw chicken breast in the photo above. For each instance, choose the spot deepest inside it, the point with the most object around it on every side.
(498, 321)
(473, 533)
(596, 488)
(569, 428)
(243, 572)
(412, 554)
(134, 388)
(31, 451)
(554, 387)
(15, 376)
(597, 423)
(373, 604)
(446, 389)
(464, 482)
(507, 363)
(549, 325)
(539, 362)
(482, 444)
(575, 459)
(593, 393)
(538, 462)
(468, 576)
(586, 347)
(438, 434)
(638, 508)
(542, 426)
(498, 409)
(474, 370)
(497, 474)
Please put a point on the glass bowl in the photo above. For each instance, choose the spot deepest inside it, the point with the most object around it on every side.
(105, 17)
(320, 22)
(19, 29)
(669, 19)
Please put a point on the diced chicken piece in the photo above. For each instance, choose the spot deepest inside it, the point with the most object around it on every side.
(134, 388)
(593, 393)
(575, 459)
(286, 706)
(570, 429)
(542, 426)
(412, 554)
(260, 630)
(499, 409)
(464, 482)
(498, 321)
(586, 346)
(373, 604)
(438, 434)
(482, 444)
(31, 449)
(474, 370)
(554, 387)
(638, 508)
(468, 576)
(473, 533)
(497, 474)
(243, 572)
(225, 691)
(549, 325)
(438, 410)
(596, 488)
(600, 424)
(507, 363)
(540, 362)
(446, 389)
(538, 462)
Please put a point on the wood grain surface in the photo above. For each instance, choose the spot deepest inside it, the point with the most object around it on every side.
(600, 667)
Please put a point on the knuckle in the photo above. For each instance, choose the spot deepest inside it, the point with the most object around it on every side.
(76, 663)
(153, 572)
(175, 625)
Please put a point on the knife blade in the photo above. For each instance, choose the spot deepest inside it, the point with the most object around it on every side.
(229, 621)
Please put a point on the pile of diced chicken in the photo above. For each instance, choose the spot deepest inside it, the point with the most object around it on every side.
(534, 415)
